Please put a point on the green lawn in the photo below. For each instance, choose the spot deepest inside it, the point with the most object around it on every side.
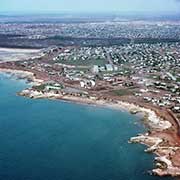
(80, 62)
(122, 92)
(40, 87)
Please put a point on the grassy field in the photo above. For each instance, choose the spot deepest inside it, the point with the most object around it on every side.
(80, 62)
(122, 92)
(40, 87)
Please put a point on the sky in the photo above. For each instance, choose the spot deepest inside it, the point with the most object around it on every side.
(90, 6)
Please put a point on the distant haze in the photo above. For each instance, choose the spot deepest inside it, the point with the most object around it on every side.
(153, 6)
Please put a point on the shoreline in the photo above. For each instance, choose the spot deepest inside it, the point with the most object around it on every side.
(23, 75)
(16, 54)
(164, 163)
(14, 50)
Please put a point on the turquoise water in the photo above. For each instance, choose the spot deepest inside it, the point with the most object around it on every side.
(53, 140)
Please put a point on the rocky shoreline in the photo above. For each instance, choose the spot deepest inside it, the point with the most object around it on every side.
(157, 141)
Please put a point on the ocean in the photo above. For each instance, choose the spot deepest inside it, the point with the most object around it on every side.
(55, 140)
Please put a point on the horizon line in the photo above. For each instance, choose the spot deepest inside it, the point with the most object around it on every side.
(49, 12)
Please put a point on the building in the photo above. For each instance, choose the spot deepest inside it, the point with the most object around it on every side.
(95, 69)
(109, 67)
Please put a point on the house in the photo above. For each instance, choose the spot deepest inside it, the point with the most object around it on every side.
(95, 69)
(109, 67)
(176, 109)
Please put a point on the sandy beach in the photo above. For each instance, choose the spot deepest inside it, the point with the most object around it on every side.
(11, 54)
(16, 50)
